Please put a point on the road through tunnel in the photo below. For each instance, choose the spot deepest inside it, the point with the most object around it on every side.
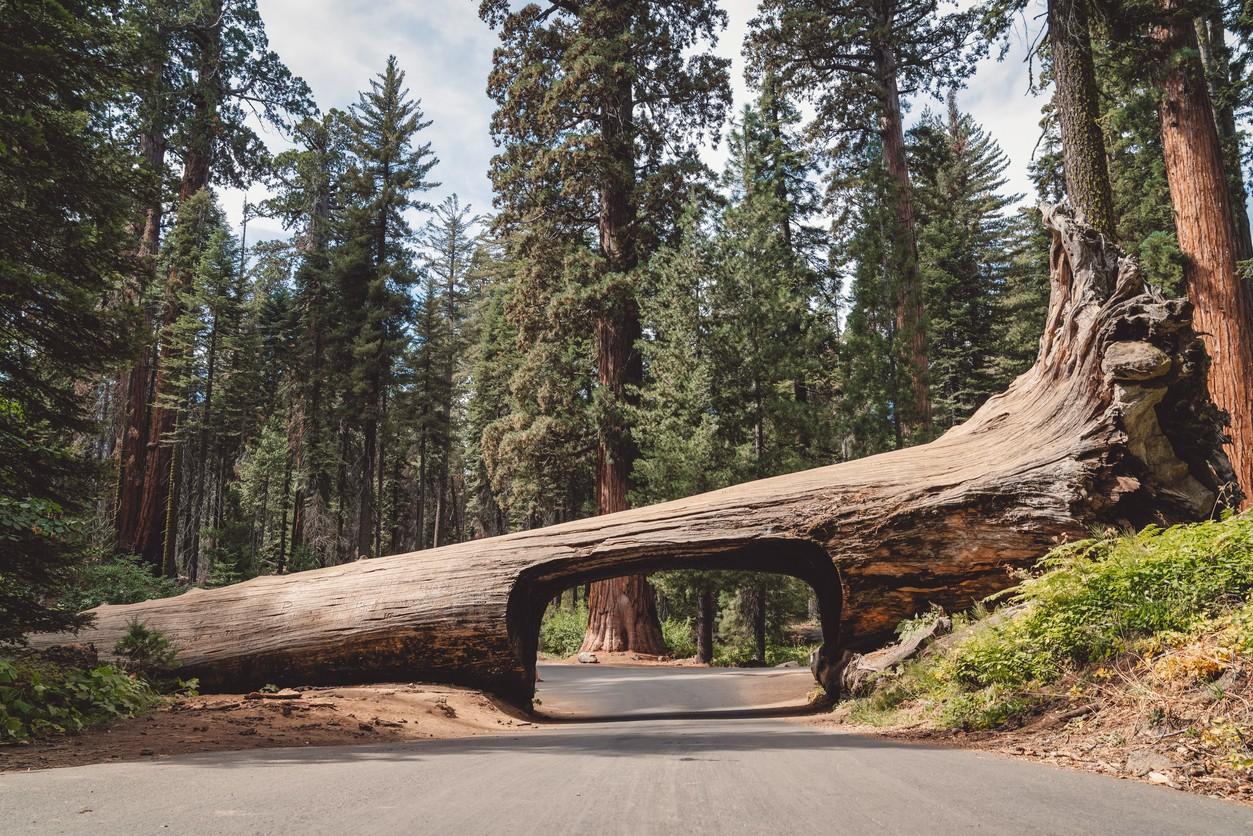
(800, 559)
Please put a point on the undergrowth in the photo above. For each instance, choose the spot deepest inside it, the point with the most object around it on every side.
(65, 690)
(1086, 606)
(39, 698)
(561, 631)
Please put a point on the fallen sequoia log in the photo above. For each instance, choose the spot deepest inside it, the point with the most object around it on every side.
(1112, 425)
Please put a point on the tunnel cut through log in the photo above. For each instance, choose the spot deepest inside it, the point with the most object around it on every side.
(800, 559)
(1112, 425)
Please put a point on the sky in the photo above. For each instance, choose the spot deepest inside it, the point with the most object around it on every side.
(445, 51)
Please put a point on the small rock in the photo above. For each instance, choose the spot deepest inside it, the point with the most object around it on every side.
(282, 694)
(588, 659)
(1135, 360)
(1143, 761)
(791, 663)
(1164, 780)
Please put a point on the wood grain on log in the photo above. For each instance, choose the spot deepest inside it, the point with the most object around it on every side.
(1112, 425)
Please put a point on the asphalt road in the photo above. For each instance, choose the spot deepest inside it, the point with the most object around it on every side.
(719, 773)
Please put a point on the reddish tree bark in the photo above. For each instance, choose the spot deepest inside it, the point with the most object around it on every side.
(705, 627)
(1216, 59)
(134, 386)
(1205, 225)
(622, 612)
(157, 506)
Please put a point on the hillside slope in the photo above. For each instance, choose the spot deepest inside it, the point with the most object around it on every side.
(1127, 654)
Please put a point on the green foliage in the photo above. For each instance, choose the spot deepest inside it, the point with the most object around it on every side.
(680, 637)
(562, 165)
(69, 190)
(1089, 600)
(147, 652)
(123, 579)
(740, 651)
(959, 176)
(1086, 603)
(986, 708)
(561, 631)
(40, 698)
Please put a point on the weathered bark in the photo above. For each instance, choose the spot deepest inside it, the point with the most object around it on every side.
(622, 613)
(1076, 103)
(1205, 225)
(755, 598)
(133, 389)
(1112, 425)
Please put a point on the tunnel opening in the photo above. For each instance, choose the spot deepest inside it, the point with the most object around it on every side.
(807, 562)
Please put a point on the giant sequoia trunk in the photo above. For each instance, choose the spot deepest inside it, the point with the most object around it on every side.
(622, 614)
(1216, 57)
(134, 385)
(153, 534)
(1112, 425)
(1206, 227)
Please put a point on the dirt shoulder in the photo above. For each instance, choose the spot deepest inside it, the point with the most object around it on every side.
(623, 659)
(311, 717)
(1111, 739)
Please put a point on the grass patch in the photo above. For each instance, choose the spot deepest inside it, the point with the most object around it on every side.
(1084, 605)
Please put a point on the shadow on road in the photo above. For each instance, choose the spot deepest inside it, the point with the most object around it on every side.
(695, 714)
(609, 740)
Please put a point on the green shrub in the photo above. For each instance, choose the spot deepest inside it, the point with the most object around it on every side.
(680, 637)
(777, 654)
(740, 653)
(561, 631)
(39, 698)
(986, 708)
(121, 580)
(146, 653)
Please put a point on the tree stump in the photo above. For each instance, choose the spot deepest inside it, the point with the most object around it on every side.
(1111, 426)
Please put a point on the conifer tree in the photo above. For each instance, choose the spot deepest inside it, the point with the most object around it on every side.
(387, 174)
(1022, 302)
(306, 201)
(856, 62)
(874, 374)
(492, 362)
(959, 173)
(68, 189)
(599, 105)
(224, 73)
(449, 244)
